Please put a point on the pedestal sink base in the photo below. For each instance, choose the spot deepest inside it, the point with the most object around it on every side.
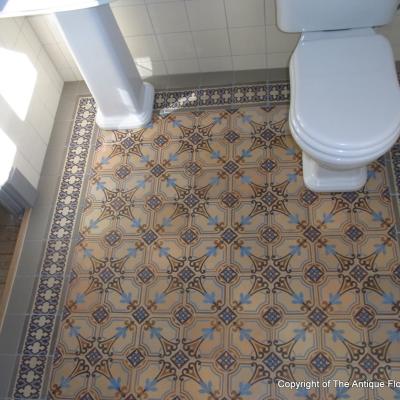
(132, 120)
(104, 60)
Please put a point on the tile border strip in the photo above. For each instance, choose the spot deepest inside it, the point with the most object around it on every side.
(394, 171)
(40, 328)
(171, 100)
(37, 341)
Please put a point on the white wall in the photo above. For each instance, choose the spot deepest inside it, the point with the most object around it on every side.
(24, 59)
(188, 36)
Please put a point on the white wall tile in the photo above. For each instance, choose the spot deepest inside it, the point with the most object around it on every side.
(31, 132)
(67, 74)
(124, 3)
(177, 45)
(270, 12)
(54, 28)
(46, 28)
(206, 14)
(27, 169)
(55, 53)
(251, 61)
(245, 13)
(144, 46)
(9, 32)
(67, 54)
(213, 64)
(28, 142)
(396, 52)
(158, 1)
(149, 67)
(133, 20)
(39, 118)
(47, 64)
(23, 46)
(212, 43)
(169, 17)
(29, 34)
(188, 66)
(77, 73)
(278, 60)
(249, 40)
(280, 42)
(42, 29)
(190, 29)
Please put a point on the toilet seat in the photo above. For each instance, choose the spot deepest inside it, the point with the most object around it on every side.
(366, 119)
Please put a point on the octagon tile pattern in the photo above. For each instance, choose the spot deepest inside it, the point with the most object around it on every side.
(205, 269)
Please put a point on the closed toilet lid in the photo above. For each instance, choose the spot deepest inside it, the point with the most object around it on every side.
(345, 93)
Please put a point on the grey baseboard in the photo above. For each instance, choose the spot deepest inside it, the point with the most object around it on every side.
(17, 193)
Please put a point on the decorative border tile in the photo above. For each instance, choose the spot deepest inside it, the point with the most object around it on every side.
(277, 93)
(37, 342)
(40, 329)
(395, 157)
(394, 174)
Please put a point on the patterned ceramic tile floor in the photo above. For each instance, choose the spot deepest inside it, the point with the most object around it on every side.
(206, 270)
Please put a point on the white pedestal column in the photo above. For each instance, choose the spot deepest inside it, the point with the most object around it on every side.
(123, 100)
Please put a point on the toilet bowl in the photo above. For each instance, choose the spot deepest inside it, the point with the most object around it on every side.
(345, 96)
(345, 105)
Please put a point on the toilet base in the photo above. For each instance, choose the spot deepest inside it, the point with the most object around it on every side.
(321, 179)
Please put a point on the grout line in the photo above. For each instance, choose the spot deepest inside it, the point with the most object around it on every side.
(229, 43)
(156, 38)
(191, 35)
(266, 38)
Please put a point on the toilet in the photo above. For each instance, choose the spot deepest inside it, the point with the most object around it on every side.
(345, 96)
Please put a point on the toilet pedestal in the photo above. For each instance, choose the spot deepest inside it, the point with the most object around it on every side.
(123, 100)
(321, 179)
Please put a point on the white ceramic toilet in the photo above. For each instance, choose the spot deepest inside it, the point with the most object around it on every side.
(345, 96)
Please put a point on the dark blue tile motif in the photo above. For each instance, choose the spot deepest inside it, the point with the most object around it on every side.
(368, 363)
(189, 236)
(140, 315)
(226, 361)
(180, 359)
(227, 316)
(354, 233)
(150, 237)
(100, 315)
(270, 273)
(93, 356)
(186, 274)
(318, 316)
(364, 317)
(183, 315)
(229, 235)
(272, 361)
(145, 275)
(136, 357)
(228, 274)
(272, 316)
(321, 363)
(358, 273)
(314, 274)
